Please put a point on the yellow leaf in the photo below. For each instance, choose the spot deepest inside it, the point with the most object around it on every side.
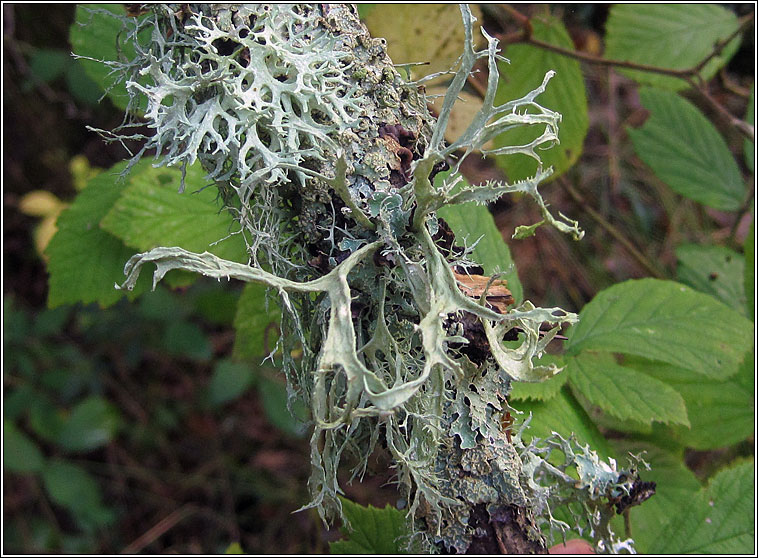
(234, 548)
(81, 171)
(43, 233)
(40, 203)
(430, 33)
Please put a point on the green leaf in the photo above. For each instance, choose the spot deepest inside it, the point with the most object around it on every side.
(50, 322)
(540, 391)
(676, 486)
(564, 415)
(234, 548)
(749, 146)
(47, 64)
(255, 324)
(20, 453)
(16, 402)
(273, 395)
(686, 151)
(92, 423)
(607, 422)
(623, 392)
(73, 488)
(81, 86)
(372, 530)
(17, 324)
(714, 270)
(471, 222)
(46, 419)
(62, 381)
(85, 261)
(721, 413)
(665, 321)
(151, 212)
(749, 278)
(565, 94)
(229, 381)
(674, 36)
(186, 339)
(94, 34)
(719, 520)
(365, 9)
(218, 304)
(162, 305)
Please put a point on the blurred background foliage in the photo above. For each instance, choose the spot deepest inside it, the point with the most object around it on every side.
(146, 427)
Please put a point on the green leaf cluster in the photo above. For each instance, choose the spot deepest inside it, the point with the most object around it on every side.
(95, 36)
(668, 365)
(372, 530)
(680, 145)
(675, 36)
(58, 407)
(686, 151)
(53, 401)
(659, 360)
(50, 65)
(112, 217)
(565, 95)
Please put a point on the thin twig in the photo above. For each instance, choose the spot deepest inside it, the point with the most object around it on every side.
(744, 128)
(746, 208)
(160, 528)
(627, 524)
(731, 86)
(610, 229)
(526, 36)
(614, 171)
(744, 22)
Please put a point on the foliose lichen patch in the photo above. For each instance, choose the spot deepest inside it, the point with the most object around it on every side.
(326, 160)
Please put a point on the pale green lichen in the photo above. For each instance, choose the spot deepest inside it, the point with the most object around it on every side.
(326, 159)
(590, 498)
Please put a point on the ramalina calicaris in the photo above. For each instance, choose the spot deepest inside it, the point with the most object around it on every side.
(329, 163)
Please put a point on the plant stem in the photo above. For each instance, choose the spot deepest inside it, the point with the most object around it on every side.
(744, 128)
(610, 229)
(526, 36)
(159, 529)
(744, 210)
(732, 86)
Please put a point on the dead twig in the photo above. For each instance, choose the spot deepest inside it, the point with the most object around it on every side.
(160, 528)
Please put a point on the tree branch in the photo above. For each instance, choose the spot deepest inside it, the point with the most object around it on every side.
(686, 74)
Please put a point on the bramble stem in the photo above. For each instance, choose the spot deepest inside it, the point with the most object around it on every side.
(687, 74)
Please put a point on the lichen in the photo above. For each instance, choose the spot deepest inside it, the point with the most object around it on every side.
(326, 158)
(601, 491)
